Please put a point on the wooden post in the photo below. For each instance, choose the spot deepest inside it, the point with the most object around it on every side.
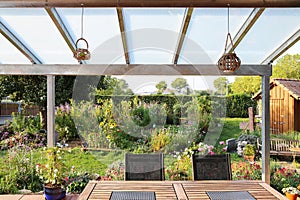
(251, 119)
(266, 129)
(50, 110)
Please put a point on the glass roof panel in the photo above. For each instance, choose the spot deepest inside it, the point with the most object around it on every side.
(100, 29)
(273, 27)
(9, 54)
(152, 34)
(39, 32)
(206, 36)
(295, 49)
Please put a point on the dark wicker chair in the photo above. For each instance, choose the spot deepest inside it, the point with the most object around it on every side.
(144, 166)
(212, 167)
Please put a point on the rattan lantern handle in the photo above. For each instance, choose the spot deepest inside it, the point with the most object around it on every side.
(228, 36)
(87, 44)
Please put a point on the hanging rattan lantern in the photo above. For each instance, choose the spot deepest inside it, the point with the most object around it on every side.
(81, 53)
(229, 62)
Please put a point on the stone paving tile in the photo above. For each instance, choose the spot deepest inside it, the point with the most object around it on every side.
(34, 197)
(10, 197)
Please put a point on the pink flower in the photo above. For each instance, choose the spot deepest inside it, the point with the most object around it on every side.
(200, 149)
(221, 142)
(211, 153)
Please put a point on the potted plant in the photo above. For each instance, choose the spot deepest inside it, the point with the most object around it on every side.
(53, 174)
(291, 192)
(249, 152)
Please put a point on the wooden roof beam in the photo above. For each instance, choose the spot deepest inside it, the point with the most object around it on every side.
(182, 34)
(123, 34)
(149, 3)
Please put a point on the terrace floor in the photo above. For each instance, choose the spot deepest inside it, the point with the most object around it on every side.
(34, 197)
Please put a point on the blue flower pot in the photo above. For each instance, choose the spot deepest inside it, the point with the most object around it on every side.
(56, 193)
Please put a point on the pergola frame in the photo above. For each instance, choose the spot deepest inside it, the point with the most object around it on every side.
(51, 71)
(148, 3)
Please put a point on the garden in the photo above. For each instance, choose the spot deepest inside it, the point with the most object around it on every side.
(92, 139)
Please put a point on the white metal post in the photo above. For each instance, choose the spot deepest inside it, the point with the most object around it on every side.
(266, 129)
(50, 110)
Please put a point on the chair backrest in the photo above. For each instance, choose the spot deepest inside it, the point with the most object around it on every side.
(144, 166)
(211, 167)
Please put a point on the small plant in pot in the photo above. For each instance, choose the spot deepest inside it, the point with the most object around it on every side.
(249, 152)
(291, 192)
(53, 174)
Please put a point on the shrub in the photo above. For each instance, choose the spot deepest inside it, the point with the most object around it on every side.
(23, 130)
(34, 140)
(283, 177)
(237, 105)
(160, 139)
(18, 171)
(249, 150)
(64, 123)
(180, 169)
(246, 171)
(115, 171)
(77, 182)
(140, 116)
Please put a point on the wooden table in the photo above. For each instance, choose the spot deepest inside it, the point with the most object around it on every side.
(179, 190)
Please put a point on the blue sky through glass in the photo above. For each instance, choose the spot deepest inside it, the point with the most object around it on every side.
(152, 35)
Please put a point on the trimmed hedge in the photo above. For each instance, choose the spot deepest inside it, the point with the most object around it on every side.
(236, 105)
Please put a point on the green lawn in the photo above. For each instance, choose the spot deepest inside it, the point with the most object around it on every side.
(231, 128)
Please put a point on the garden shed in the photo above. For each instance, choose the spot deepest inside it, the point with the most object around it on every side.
(284, 105)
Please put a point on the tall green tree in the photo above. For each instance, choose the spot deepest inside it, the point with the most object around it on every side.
(221, 85)
(287, 67)
(29, 89)
(33, 89)
(113, 86)
(179, 84)
(161, 87)
(246, 85)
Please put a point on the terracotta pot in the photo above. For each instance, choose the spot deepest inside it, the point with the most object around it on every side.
(290, 196)
(249, 158)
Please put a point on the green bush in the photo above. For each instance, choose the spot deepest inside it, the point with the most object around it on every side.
(246, 171)
(22, 130)
(64, 123)
(18, 171)
(77, 182)
(140, 116)
(283, 177)
(237, 105)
